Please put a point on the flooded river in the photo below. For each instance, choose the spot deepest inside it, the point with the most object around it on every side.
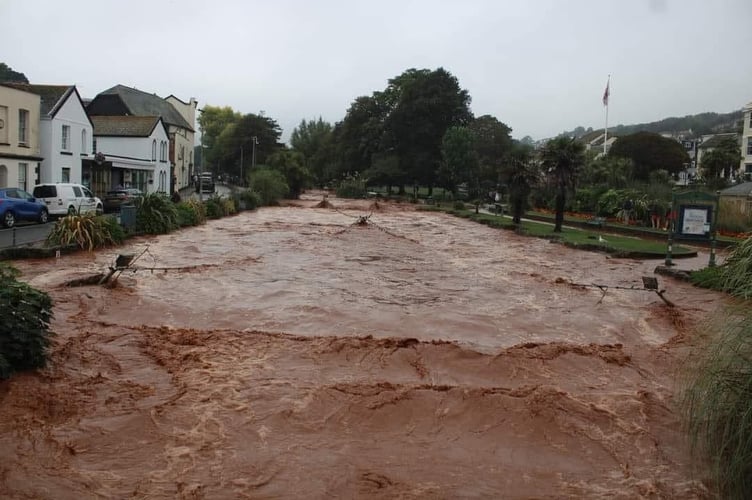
(290, 353)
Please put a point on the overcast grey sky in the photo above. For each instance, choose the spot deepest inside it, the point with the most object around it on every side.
(540, 66)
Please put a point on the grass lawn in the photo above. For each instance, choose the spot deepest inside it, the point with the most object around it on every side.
(626, 246)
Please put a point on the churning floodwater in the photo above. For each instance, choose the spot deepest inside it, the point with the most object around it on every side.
(290, 352)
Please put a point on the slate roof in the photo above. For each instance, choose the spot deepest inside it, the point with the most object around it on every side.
(743, 189)
(52, 96)
(716, 140)
(140, 103)
(124, 126)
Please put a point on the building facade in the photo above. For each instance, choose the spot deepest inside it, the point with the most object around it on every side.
(126, 101)
(745, 167)
(183, 141)
(20, 153)
(65, 132)
(131, 151)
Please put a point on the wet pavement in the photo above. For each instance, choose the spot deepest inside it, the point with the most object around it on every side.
(290, 352)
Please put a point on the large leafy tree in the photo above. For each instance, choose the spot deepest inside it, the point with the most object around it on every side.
(292, 165)
(313, 140)
(649, 152)
(493, 143)
(429, 103)
(722, 160)
(562, 159)
(214, 121)
(236, 145)
(8, 75)
(459, 160)
(396, 133)
(360, 135)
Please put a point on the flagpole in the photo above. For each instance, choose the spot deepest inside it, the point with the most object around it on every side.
(606, 95)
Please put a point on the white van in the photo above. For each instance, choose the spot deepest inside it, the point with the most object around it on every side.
(66, 198)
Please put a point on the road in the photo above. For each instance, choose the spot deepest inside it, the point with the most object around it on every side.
(25, 234)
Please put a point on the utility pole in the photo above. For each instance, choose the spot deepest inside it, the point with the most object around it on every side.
(242, 178)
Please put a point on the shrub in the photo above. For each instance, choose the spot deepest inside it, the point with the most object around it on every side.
(249, 199)
(187, 215)
(25, 315)
(214, 207)
(352, 187)
(270, 185)
(717, 403)
(86, 232)
(199, 209)
(459, 205)
(228, 206)
(155, 214)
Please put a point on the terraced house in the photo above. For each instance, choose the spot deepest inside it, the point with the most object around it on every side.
(131, 152)
(19, 137)
(65, 133)
(126, 101)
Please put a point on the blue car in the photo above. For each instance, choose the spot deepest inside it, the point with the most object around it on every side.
(17, 205)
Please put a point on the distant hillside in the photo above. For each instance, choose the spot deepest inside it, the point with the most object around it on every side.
(703, 123)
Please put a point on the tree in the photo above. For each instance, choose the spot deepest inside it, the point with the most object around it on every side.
(234, 149)
(648, 152)
(8, 75)
(522, 175)
(429, 103)
(313, 140)
(214, 122)
(562, 159)
(722, 160)
(359, 136)
(493, 143)
(292, 166)
(459, 160)
(606, 172)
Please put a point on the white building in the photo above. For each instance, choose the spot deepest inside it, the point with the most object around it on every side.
(745, 167)
(126, 101)
(19, 137)
(183, 140)
(64, 132)
(131, 151)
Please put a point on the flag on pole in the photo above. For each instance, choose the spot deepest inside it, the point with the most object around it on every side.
(607, 92)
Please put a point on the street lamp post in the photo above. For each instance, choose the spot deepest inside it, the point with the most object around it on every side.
(253, 156)
(242, 178)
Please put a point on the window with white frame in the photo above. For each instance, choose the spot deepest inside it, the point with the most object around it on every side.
(66, 138)
(83, 141)
(23, 172)
(162, 151)
(66, 174)
(154, 150)
(23, 126)
(749, 146)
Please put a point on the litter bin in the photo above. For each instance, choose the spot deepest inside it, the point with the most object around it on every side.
(128, 216)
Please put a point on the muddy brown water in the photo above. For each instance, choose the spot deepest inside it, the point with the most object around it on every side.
(287, 353)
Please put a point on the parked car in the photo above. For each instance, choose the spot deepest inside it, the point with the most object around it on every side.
(66, 198)
(17, 205)
(117, 197)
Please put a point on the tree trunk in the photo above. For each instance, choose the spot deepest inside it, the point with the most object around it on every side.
(561, 197)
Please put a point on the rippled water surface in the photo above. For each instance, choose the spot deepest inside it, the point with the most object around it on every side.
(288, 353)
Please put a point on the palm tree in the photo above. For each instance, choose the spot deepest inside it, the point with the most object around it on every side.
(562, 159)
(522, 175)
